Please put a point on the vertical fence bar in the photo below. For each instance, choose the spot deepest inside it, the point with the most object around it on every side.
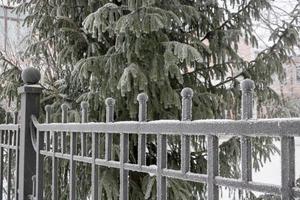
(30, 104)
(142, 99)
(95, 174)
(7, 140)
(72, 184)
(1, 165)
(187, 95)
(124, 156)
(6, 117)
(95, 155)
(9, 159)
(39, 165)
(212, 166)
(247, 87)
(64, 119)
(48, 110)
(287, 167)
(84, 119)
(161, 185)
(110, 104)
(17, 155)
(54, 166)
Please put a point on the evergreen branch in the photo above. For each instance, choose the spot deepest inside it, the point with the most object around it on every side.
(262, 53)
(224, 24)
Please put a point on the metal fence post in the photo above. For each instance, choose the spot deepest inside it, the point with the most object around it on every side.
(110, 105)
(187, 103)
(84, 119)
(30, 104)
(142, 139)
(247, 87)
(16, 114)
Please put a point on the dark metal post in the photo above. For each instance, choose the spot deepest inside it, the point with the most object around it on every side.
(30, 104)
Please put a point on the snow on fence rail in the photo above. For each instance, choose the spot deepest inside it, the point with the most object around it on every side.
(58, 141)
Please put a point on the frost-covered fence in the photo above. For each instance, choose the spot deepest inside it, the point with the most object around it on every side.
(9, 140)
(59, 141)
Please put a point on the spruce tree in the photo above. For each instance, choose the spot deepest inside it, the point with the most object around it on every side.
(90, 50)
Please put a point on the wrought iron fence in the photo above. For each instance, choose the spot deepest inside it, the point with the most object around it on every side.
(59, 141)
(9, 140)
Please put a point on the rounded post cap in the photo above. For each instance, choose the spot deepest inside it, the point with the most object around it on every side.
(247, 85)
(110, 101)
(142, 97)
(187, 92)
(64, 107)
(48, 108)
(31, 76)
(84, 105)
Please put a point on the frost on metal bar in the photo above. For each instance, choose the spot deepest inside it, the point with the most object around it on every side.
(72, 184)
(54, 173)
(16, 144)
(39, 166)
(142, 99)
(8, 150)
(161, 181)
(64, 119)
(187, 95)
(9, 160)
(212, 167)
(124, 174)
(48, 110)
(251, 128)
(110, 103)
(95, 174)
(287, 167)
(247, 87)
(84, 119)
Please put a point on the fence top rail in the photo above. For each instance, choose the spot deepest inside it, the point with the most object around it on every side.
(260, 127)
(9, 127)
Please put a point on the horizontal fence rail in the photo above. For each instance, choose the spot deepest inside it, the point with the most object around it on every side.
(262, 127)
(80, 143)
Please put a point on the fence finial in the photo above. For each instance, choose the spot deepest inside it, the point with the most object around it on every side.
(142, 99)
(48, 108)
(110, 104)
(31, 76)
(16, 116)
(247, 85)
(84, 111)
(84, 105)
(187, 95)
(64, 108)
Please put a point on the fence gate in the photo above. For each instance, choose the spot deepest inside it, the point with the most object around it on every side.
(25, 144)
